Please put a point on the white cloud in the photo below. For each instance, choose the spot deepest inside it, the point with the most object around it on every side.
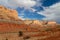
(13, 4)
(18, 3)
(52, 12)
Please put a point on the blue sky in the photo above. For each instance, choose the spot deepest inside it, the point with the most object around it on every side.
(35, 9)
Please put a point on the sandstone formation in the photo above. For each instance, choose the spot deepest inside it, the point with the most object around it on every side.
(38, 22)
(52, 23)
(27, 22)
(13, 28)
(9, 14)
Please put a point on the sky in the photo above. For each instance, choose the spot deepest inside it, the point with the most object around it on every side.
(35, 9)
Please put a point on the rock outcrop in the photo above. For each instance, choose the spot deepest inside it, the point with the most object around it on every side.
(13, 28)
(38, 23)
(9, 20)
(51, 22)
(34, 23)
(8, 14)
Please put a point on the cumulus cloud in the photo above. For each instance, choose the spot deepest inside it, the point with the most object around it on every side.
(52, 12)
(18, 3)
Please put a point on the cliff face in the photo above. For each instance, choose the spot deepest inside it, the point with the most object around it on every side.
(9, 14)
(11, 27)
(9, 20)
(38, 23)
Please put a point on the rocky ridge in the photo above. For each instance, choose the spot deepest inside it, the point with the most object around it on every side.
(13, 28)
(8, 14)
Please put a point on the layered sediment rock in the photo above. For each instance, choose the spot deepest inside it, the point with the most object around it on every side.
(9, 14)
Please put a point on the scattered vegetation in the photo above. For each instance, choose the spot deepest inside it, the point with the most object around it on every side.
(20, 33)
(48, 29)
(58, 26)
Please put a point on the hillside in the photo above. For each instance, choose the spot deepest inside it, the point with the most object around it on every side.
(8, 14)
(14, 28)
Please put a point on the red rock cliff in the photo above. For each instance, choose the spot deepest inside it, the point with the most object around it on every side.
(6, 13)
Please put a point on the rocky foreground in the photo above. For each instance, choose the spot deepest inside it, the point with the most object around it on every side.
(13, 28)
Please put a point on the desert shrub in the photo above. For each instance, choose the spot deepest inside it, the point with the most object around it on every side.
(58, 29)
(20, 33)
(48, 29)
(58, 26)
